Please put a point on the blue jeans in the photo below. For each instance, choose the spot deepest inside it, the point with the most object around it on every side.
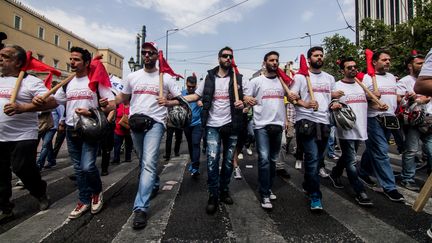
(375, 159)
(118, 141)
(215, 139)
(348, 161)
(331, 143)
(147, 146)
(410, 149)
(47, 149)
(314, 150)
(83, 156)
(268, 147)
(193, 135)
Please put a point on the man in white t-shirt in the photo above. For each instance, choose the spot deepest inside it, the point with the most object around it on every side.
(375, 159)
(147, 121)
(78, 98)
(19, 130)
(266, 94)
(405, 88)
(222, 117)
(355, 97)
(312, 120)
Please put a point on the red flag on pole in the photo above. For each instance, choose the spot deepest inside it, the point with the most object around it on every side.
(287, 80)
(38, 66)
(304, 70)
(369, 66)
(98, 74)
(165, 68)
(234, 66)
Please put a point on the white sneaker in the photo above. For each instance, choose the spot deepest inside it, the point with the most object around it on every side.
(237, 173)
(240, 156)
(323, 172)
(298, 164)
(272, 196)
(79, 210)
(249, 151)
(429, 232)
(266, 204)
(96, 203)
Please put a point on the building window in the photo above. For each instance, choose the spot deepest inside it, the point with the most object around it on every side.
(41, 33)
(115, 61)
(40, 57)
(56, 40)
(69, 45)
(18, 22)
(55, 63)
(110, 59)
(68, 67)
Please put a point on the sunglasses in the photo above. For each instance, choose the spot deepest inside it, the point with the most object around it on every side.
(351, 67)
(227, 55)
(150, 53)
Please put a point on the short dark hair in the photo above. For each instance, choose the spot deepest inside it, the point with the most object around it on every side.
(411, 58)
(226, 48)
(344, 60)
(191, 79)
(86, 56)
(378, 53)
(269, 54)
(20, 54)
(313, 49)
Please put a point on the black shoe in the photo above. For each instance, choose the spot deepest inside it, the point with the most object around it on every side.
(104, 173)
(154, 192)
(166, 157)
(127, 160)
(368, 181)
(336, 181)
(44, 202)
(72, 177)
(212, 205)
(412, 186)
(363, 200)
(115, 162)
(177, 155)
(4, 216)
(394, 196)
(226, 198)
(140, 220)
(283, 173)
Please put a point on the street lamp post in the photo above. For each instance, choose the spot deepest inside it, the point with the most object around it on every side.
(310, 39)
(166, 42)
(131, 64)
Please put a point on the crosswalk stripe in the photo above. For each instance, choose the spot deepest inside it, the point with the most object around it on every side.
(158, 220)
(43, 224)
(247, 208)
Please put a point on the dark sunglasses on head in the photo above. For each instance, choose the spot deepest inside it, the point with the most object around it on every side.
(227, 55)
(150, 53)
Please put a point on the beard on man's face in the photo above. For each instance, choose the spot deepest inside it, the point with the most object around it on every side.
(317, 64)
(150, 64)
(224, 65)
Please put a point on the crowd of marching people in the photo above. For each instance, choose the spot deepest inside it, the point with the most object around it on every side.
(225, 112)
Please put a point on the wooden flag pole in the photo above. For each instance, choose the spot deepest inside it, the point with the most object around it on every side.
(423, 196)
(17, 87)
(160, 85)
(236, 95)
(370, 94)
(311, 93)
(58, 86)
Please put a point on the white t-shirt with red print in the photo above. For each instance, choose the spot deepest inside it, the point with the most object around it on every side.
(22, 126)
(406, 84)
(79, 95)
(387, 87)
(144, 90)
(220, 111)
(322, 85)
(270, 107)
(355, 97)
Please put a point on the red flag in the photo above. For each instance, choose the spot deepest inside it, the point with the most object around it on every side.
(360, 76)
(304, 70)
(369, 66)
(165, 68)
(234, 66)
(38, 66)
(98, 74)
(287, 80)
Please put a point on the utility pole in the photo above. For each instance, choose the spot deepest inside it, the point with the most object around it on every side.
(143, 36)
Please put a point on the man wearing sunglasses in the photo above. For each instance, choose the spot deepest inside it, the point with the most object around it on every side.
(141, 90)
(355, 97)
(405, 89)
(222, 118)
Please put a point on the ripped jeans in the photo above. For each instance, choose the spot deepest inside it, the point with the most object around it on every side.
(219, 182)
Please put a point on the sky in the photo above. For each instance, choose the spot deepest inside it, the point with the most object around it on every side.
(252, 28)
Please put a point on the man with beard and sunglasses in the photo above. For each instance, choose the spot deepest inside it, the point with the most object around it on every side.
(312, 120)
(381, 120)
(141, 90)
(222, 119)
(355, 98)
(405, 88)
